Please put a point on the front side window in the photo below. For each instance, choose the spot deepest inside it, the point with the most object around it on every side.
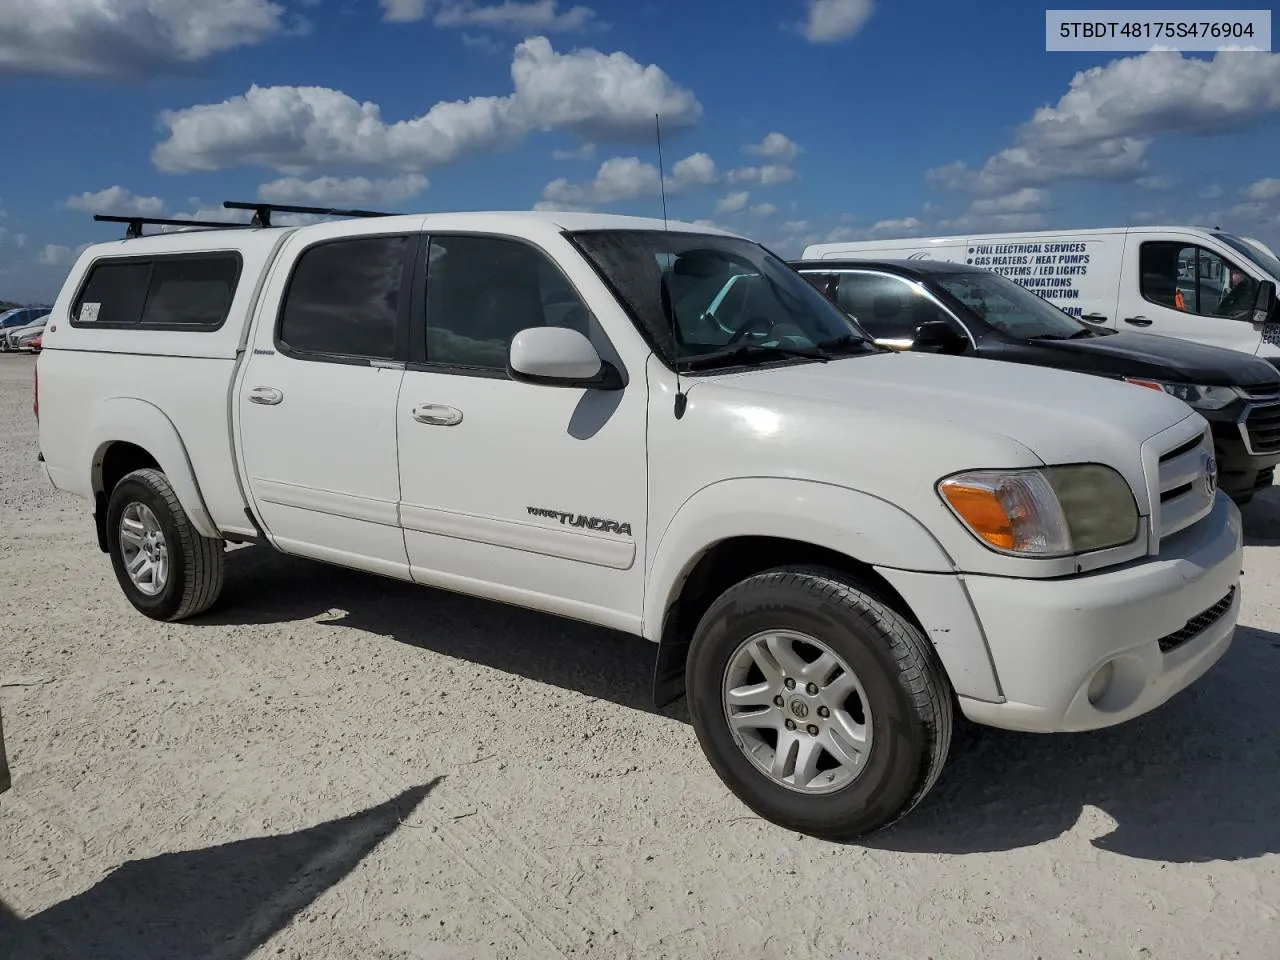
(889, 308)
(482, 291)
(1190, 279)
(344, 299)
(1008, 306)
(698, 297)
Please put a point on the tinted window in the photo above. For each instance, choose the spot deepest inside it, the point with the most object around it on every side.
(344, 298)
(1194, 280)
(887, 307)
(191, 291)
(114, 293)
(482, 291)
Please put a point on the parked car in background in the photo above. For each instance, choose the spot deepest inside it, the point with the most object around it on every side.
(18, 317)
(1185, 282)
(22, 337)
(944, 307)
(37, 343)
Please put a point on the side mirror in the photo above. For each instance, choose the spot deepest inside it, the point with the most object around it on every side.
(559, 357)
(1265, 305)
(938, 336)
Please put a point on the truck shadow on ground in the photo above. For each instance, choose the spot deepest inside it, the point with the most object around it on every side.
(218, 903)
(1196, 780)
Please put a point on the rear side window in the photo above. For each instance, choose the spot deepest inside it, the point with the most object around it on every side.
(344, 299)
(175, 292)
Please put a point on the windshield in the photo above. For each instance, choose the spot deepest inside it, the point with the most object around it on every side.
(698, 296)
(1259, 258)
(1008, 307)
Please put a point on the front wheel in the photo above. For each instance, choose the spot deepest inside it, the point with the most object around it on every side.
(822, 708)
(166, 568)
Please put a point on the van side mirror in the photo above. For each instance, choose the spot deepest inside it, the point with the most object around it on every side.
(1265, 305)
(938, 336)
(559, 357)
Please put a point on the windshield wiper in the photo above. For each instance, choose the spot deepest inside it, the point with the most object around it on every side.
(847, 340)
(748, 352)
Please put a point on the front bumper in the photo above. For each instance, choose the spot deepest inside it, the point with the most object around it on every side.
(1160, 623)
(1242, 471)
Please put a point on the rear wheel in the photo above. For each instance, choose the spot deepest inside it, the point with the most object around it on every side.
(164, 566)
(822, 708)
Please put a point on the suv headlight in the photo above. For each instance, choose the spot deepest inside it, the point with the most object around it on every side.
(1200, 397)
(1045, 512)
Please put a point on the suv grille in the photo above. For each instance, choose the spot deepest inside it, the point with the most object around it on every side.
(1261, 428)
(1198, 624)
(1185, 495)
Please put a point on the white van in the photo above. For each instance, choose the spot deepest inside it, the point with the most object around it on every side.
(1184, 282)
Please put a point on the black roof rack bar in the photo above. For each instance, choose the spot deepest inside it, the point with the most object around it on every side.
(134, 229)
(262, 211)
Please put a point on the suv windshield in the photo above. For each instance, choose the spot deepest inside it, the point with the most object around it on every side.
(1259, 258)
(722, 299)
(1010, 308)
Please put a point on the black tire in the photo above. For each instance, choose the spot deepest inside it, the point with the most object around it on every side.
(908, 696)
(195, 561)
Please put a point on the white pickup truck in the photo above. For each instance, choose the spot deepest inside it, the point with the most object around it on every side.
(835, 548)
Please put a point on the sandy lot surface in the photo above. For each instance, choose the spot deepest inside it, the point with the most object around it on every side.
(335, 765)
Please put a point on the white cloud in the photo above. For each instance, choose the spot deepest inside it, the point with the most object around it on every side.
(295, 129)
(541, 16)
(57, 255)
(775, 146)
(901, 227)
(117, 200)
(403, 11)
(734, 202)
(1026, 200)
(1212, 192)
(764, 210)
(831, 20)
(1267, 189)
(1102, 127)
(585, 152)
(771, 174)
(340, 192)
(627, 178)
(100, 38)
(796, 226)
(1157, 182)
(484, 43)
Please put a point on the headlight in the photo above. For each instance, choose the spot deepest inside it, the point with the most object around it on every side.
(1202, 398)
(1047, 512)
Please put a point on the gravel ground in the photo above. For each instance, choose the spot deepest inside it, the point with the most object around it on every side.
(336, 765)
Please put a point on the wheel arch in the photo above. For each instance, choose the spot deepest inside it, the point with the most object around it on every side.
(129, 434)
(734, 529)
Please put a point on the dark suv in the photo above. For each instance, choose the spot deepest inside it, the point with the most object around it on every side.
(953, 308)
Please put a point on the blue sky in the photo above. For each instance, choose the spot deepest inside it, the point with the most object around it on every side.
(793, 121)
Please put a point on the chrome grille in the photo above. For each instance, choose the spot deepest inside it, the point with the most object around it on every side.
(1260, 428)
(1184, 491)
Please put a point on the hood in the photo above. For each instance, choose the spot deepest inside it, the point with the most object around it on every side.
(1059, 415)
(1157, 358)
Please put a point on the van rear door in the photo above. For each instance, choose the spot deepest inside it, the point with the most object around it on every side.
(1186, 285)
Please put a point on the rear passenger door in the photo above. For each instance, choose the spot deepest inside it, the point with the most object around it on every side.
(317, 399)
(521, 492)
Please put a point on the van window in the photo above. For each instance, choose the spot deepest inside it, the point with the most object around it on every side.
(886, 307)
(1191, 279)
(181, 291)
(344, 299)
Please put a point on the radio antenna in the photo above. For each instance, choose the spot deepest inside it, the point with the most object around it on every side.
(681, 400)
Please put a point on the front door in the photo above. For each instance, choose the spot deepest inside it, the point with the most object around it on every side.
(527, 493)
(317, 402)
(1178, 288)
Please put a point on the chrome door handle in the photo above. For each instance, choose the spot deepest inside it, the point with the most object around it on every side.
(437, 415)
(268, 395)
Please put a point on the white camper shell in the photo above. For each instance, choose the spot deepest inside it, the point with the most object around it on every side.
(1186, 282)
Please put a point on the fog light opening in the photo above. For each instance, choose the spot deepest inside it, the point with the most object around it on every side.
(1101, 682)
